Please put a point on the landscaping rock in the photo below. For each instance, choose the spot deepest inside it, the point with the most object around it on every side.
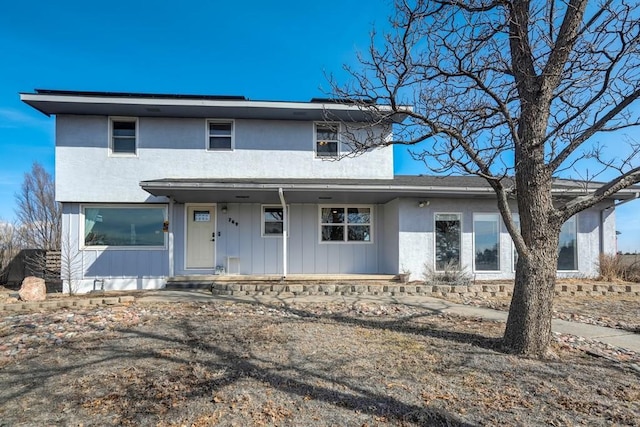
(33, 289)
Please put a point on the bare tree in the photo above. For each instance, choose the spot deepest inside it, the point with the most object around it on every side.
(70, 264)
(513, 91)
(10, 246)
(38, 211)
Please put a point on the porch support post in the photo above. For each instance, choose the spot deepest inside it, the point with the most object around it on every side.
(170, 217)
(285, 232)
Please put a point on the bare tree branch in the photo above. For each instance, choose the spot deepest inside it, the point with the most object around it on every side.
(512, 91)
(38, 211)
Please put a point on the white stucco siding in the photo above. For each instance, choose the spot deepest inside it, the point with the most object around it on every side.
(175, 148)
(608, 232)
(389, 232)
(416, 236)
(592, 240)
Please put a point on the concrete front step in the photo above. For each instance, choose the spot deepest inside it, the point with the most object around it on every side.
(290, 278)
(202, 284)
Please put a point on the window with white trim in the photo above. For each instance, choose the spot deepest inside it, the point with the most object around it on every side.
(326, 135)
(123, 135)
(448, 228)
(345, 224)
(567, 245)
(486, 241)
(567, 253)
(220, 135)
(272, 221)
(124, 226)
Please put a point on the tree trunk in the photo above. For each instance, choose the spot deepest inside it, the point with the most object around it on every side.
(528, 328)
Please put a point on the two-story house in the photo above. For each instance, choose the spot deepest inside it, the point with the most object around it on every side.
(160, 186)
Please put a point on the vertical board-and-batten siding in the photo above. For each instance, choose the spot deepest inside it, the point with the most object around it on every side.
(263, 255)
(306, 254)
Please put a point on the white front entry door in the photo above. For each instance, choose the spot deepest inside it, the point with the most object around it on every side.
(201, 236)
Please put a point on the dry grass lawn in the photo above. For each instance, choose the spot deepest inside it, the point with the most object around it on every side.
(327, 365)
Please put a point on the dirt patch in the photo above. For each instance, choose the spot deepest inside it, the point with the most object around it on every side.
(319, 364)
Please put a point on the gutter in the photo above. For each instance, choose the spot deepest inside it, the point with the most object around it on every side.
(285, 232)
(635, 197)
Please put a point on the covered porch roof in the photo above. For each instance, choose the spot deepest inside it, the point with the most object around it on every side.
(344, 190)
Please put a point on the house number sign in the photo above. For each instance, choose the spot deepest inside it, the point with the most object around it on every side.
(201, 216)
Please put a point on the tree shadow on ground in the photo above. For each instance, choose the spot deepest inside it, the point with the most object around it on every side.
(403, 324)
(236, 363)
(239, 366)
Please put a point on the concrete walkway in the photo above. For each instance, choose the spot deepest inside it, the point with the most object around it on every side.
(611, 336)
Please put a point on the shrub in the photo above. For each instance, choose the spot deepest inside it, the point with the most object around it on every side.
(610, 267)
(452, 275)
(631, 268)
(619, 267)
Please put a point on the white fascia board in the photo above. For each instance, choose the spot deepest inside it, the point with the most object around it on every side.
(306, 187)
(26, 97)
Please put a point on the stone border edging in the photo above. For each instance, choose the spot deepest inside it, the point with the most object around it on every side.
(413, 289)
(22, 306)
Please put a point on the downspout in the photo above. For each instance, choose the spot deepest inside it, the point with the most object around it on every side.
(170, 232)
(285, 232)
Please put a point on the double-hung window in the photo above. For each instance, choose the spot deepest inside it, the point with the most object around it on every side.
(272, 221)
(448, 228)
(123, 135)
(326, 136)
(345, 224)
(219, 135)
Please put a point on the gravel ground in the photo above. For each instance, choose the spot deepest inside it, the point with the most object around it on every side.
(186, 364)
(613, 311)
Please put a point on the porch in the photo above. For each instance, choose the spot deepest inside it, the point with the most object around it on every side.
(292, 285)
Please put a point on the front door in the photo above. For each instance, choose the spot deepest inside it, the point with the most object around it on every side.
(201, 236)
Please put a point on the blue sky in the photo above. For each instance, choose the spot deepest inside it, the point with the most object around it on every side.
(275, 50)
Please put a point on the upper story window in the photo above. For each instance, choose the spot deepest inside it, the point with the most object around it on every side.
(220, 135)
(326, 136)
(123, 135)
